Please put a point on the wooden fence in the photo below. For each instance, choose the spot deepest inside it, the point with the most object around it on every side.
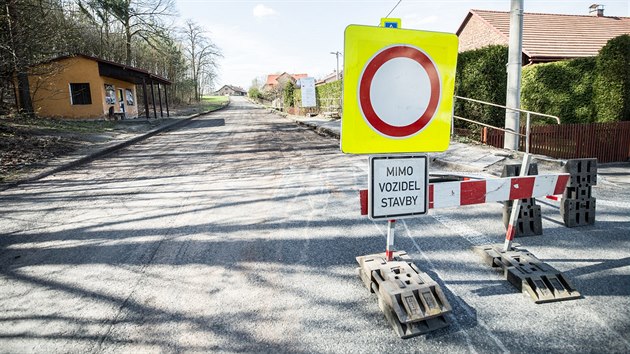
(608, 142)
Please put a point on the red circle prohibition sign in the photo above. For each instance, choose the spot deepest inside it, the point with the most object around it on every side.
(365, 101)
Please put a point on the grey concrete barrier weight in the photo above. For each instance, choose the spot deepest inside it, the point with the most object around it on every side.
(529, 221)
(578, 206)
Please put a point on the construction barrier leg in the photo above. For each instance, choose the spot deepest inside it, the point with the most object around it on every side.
(577, 205)
(412, 302)
(540, 281)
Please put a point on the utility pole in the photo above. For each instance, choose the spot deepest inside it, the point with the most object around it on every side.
(337, 54)
(514, 66)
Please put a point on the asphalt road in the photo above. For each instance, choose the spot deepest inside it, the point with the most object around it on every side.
(239, 232)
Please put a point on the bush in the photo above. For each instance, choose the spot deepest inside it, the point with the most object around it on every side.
(255, 93)
(481, 75)
(328, 94)
(612, 81)
(287, 94)
(581, 90)
(563, 89)
(297, 97)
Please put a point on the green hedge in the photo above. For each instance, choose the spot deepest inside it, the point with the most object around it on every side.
(481, 75)
(255, 93)
(612, 81)
(563, 89)
(287, 94)
(297, 97)
(326, 93)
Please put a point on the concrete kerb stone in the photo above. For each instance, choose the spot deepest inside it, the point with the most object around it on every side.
(455, 166)
(107, 150)
(319, 129)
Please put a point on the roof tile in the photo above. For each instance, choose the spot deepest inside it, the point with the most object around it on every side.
(560, 36)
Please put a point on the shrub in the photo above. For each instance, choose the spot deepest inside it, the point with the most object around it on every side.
(297, 97)
(481, 75)
(563, 89)
(612, 81)
(255, 93)
(287, 94)
(328, 94)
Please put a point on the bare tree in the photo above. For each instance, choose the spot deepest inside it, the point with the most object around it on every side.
(16, 53)
(30, 31)
(131, 31)
(145, 19)
(201, 53)
(101, 18)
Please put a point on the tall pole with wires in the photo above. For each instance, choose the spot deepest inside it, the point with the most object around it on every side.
(337, 54)
(513, 96)
(393, 8)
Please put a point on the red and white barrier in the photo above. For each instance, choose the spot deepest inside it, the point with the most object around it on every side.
(450, 194)
(453, 194)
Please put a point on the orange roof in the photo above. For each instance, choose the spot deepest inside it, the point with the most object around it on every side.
(554, 36)
(126, 73)
(272, 80)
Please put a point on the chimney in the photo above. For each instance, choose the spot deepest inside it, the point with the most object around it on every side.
(596, 10)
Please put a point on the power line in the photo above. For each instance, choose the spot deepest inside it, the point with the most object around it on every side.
(394, 8)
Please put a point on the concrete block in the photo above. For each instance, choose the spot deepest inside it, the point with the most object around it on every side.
(578, 212)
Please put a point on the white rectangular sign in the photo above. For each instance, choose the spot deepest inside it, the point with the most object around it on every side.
(398, 186)
(308, 92)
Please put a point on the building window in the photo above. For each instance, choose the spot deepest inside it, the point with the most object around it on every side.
(129, 95)
(80, 93)
(110, 94)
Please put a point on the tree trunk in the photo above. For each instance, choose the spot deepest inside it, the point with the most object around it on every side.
(24, 93)
(25, 104)
(128, 42)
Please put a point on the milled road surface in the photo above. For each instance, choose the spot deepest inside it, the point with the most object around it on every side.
(239, 232)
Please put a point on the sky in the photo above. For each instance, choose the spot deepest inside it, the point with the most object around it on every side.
(263, 37)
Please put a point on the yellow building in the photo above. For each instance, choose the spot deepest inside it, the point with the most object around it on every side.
(82, 86)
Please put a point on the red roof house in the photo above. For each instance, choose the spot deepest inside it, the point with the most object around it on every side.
(275, 80)
(546, 37)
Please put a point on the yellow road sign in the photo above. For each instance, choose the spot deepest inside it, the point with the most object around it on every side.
(397, 90)
(390, 22)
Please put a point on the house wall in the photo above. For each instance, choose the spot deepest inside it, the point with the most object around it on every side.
(477, 34)
(226, 91)
(50, 90)
(131, 111)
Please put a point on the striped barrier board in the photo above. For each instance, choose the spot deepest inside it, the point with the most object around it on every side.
(460, 193)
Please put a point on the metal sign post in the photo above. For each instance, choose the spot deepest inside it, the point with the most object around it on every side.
(398, 188)
(398, 99)
(389, 251)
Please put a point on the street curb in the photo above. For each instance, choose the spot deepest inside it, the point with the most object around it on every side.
(324, 131)
(107, 150)
(436, 161)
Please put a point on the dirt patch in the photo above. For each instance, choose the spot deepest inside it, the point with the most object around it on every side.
(26, 143)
